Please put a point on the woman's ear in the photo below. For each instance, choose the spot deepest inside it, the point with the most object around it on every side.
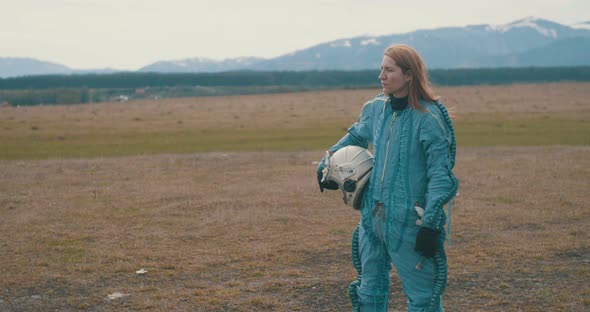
(408, 75)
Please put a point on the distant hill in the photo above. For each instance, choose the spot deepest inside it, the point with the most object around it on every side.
(24, 66)
(16, 66)
(526, 42)
(566, 52)
(196, 65)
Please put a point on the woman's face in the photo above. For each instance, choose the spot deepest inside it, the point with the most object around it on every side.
(393, 80)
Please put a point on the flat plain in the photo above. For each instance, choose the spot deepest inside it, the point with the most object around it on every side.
(216, 198)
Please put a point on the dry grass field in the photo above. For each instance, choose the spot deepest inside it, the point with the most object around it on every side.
(500, 115)
(90, 194)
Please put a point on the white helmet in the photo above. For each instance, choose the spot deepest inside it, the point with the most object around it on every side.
(349, 167)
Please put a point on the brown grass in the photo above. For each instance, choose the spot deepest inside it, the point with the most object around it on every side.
(293, 110)
(251, 232)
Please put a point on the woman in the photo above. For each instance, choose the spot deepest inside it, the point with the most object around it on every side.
(414, 146)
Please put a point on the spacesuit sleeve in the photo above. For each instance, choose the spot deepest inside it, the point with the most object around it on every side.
(359, 134)
(436, 138)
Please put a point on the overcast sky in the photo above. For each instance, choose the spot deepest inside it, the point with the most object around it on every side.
(129, 34)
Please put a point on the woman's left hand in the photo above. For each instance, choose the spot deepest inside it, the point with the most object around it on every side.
(427, 241)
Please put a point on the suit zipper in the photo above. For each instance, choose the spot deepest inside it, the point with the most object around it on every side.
(387, 150)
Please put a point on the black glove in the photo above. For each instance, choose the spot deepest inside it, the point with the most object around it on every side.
(427, 241)
(330, 185)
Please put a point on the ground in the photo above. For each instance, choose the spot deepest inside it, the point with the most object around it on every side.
(250, 231)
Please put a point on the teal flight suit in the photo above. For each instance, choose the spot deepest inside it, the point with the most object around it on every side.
(414, 154)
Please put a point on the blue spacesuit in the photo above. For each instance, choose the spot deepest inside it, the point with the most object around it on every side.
(414, 152)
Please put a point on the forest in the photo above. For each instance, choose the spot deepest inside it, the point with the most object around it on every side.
(123, 86)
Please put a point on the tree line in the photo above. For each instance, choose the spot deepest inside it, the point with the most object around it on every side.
(65, 89)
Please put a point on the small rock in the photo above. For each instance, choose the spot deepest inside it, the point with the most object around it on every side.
(116, 295)
(36, 296)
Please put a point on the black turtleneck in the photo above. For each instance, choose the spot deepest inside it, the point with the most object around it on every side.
(398, 104)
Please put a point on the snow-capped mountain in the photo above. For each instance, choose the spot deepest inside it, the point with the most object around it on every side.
(526, 42)
(449, 47)
(582, 25)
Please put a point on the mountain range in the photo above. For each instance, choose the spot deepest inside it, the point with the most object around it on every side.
(526, 42)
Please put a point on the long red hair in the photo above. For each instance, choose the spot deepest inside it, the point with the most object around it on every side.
(410, 61)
